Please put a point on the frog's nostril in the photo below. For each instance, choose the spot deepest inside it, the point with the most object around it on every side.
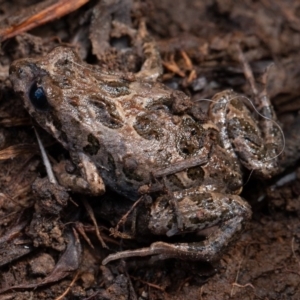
(38, 97)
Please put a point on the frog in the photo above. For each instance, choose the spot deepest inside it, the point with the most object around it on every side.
(134, 134)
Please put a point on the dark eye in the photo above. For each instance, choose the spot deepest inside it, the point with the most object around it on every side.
(38, 98)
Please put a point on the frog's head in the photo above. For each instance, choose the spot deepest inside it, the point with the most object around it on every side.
(68, 97)
(44, 84)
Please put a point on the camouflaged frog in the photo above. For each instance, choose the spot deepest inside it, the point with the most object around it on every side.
(136, 135)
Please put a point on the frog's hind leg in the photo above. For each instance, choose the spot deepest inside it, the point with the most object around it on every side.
(258, 141)
(228, 213)
(255, 141)
(208, 250)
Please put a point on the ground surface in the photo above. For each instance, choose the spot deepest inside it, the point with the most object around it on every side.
(36, 253)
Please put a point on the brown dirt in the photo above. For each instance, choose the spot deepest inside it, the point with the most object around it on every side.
(38, 252)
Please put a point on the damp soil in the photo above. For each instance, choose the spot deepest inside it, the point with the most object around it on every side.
(59, 256)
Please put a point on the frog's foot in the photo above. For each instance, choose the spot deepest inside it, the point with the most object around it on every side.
(88, 182)
(256, 143)
(199, 211)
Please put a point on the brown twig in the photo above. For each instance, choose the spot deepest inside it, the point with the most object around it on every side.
(172, 66)
(244, 285)
(92, 216)
(51, 12)
(91, 228)
(236, 278)
(247, 70)
(187, 60)
(80, 229)
(68, 288)
(148, 283)
(123, 219)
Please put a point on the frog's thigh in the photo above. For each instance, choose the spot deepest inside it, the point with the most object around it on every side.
(228, 212)
(89, 181)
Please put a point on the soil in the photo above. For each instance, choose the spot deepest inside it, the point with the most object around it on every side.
(59, 256)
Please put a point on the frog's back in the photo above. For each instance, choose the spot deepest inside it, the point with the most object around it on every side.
(135, 131)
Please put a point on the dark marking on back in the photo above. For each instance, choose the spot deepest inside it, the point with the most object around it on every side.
(93, 147)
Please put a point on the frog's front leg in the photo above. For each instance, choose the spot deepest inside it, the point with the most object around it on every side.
(255, 141)
(199, 211)
(88, 181)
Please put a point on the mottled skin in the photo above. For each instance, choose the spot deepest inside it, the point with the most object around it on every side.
(126, 130)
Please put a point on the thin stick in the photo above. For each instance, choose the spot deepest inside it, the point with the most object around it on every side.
(123, 219)
(92, 216)
(45, 158)
(69, 287)
(51, 12)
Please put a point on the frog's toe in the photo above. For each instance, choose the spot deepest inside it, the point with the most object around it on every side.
(88, 181)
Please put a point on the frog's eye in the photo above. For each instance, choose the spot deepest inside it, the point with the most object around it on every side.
(38, 97)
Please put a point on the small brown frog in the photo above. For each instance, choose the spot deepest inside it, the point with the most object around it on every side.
(125, 131)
